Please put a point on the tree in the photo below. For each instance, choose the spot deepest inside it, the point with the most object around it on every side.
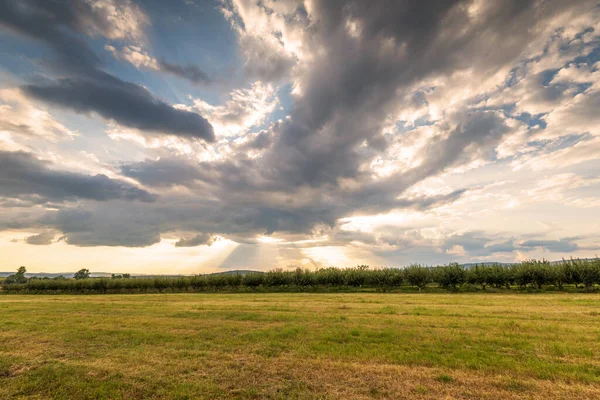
(450, 276)
(589, 271)
(82, 274)
(417, 275)
(479, 275)
(19, 277)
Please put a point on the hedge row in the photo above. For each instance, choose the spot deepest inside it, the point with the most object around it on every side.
(584, 274)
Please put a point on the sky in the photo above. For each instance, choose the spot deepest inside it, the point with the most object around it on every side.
(196, 136)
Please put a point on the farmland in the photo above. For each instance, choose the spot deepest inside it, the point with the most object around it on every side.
(300, 345)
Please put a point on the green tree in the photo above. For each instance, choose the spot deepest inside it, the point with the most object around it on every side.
(417, 275)
(450, 276)
(19, 277)
(589, 271)
(82, 274)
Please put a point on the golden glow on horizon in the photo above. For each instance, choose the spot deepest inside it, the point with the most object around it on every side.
(160, 258)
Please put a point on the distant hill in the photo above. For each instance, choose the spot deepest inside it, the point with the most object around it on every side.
(471, 265)
(109, 274)
(236, 272)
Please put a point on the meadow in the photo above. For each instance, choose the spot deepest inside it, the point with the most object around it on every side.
(300, 345)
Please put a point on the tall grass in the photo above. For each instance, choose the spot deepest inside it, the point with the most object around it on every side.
(528, 275)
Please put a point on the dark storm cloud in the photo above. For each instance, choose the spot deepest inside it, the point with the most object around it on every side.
(479, 243)
(241, 187)
(42, 239)
(198, 240)
(45, 21)
(22, 175)
(163, 172)
(106, 225)
(129, 104)
(60, 25)
(190, 72)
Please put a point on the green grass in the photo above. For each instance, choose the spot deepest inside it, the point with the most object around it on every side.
(300, 345)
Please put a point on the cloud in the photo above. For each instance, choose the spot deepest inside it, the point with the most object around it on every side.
(268, 35)
(140, 58)
(557, 246)
(264, 60)
(94, 226)
(22, 175)
(198, 240)
(456, 250)
(477, 244)
(42, 239)
(190, 72)
(244, 109)
(88, 89)
(134, 55)
(126, 103)
(349, 88)
(399, 115)
(20, 116)
(120, 19)
(163, 172)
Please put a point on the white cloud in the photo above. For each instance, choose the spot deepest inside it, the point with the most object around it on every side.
(134, 55)
(270, 36)
(245, 108)
(456, 250)
(125, 19)
(21, 116)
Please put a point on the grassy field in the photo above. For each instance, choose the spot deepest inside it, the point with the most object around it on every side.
(355, 345)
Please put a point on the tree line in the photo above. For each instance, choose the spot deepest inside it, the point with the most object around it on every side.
(572, 274)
